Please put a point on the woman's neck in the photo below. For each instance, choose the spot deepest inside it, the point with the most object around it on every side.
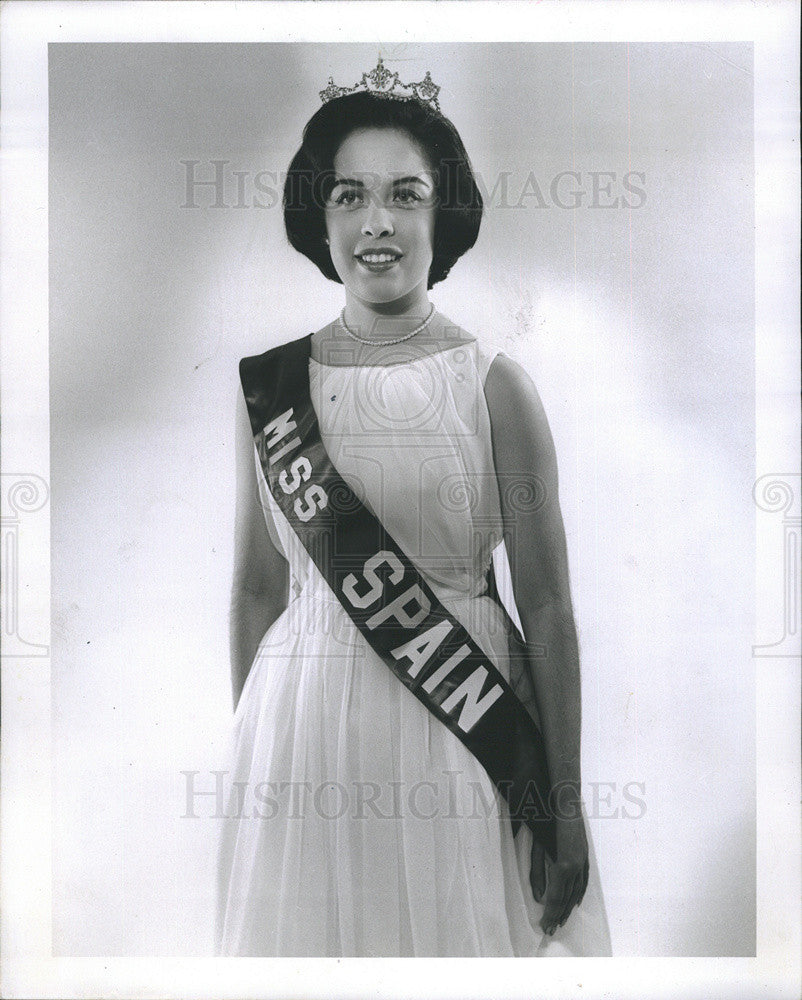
(381, 322)
(331, 345)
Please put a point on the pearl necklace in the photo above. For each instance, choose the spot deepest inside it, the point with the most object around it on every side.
(385, 343)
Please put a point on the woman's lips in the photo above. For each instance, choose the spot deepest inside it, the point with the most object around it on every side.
(378, 260)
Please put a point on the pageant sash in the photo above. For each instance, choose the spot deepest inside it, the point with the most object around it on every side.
(385, 596)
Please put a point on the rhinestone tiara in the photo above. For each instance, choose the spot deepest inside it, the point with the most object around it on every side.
(381, 82)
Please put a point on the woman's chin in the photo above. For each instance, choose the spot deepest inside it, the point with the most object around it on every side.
(385, 290)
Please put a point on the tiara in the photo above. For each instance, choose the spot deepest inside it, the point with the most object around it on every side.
(381, 82)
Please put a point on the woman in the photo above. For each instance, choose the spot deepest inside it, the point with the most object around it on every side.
(359, 821)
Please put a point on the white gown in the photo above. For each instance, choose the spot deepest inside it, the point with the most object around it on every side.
(360, 825)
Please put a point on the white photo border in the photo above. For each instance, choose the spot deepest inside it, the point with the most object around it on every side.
(28, 968)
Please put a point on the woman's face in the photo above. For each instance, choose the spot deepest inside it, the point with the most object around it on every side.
(380, 217)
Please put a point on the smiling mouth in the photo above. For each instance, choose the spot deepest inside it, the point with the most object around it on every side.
(378, 260)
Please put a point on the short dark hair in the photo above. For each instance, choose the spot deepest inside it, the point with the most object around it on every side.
(311, 176)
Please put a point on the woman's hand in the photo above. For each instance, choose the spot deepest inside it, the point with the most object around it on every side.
(563, 882)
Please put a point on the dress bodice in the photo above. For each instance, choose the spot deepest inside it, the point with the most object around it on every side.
(413, 442)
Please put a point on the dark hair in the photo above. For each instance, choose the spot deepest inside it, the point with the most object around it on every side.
(311, 176)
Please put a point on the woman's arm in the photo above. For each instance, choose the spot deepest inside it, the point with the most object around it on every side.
(523, 450)
(260, 583)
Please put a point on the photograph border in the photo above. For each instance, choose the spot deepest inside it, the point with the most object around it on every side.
(26, 29)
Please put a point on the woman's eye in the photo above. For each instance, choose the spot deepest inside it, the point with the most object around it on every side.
(406, 197)
(346, 198)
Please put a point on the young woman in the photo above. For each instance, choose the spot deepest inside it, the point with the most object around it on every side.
(359, 823)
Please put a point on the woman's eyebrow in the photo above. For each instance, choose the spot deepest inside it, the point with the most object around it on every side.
(397, 182)
(413, 179)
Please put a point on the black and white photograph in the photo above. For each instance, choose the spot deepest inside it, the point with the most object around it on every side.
(400, 500)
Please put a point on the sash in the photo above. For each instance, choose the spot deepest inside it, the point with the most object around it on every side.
(385, 596)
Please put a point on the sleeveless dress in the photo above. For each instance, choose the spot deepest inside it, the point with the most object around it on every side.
(357, 824)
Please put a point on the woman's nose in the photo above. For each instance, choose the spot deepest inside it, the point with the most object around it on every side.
(378, 221)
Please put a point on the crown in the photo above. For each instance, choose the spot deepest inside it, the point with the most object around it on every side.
(381, 82)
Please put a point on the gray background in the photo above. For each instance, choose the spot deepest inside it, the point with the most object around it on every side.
(637, 325)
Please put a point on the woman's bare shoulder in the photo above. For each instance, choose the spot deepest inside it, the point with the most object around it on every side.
(517, 417)
(508, 375)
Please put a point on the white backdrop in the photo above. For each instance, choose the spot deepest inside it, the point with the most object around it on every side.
(637, 325)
